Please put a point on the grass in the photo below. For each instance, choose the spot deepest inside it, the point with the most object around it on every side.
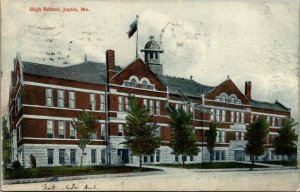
(213, 165)
(284, 163)
(41, 172)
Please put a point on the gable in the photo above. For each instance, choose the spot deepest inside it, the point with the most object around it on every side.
(228, 92)
(139, 71)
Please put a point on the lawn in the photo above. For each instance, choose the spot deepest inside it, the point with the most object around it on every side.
(284, 163)
(213, 165)
(41, 172)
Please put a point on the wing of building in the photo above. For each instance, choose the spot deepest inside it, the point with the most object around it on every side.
(44, 100)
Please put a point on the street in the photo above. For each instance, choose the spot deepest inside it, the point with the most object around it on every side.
(179, 179)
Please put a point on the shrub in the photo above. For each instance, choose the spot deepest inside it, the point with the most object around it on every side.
(16, 164)
(32, 161)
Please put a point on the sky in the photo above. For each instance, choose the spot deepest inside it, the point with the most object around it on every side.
(255, 41)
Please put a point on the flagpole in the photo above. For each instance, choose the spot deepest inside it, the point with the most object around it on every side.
(137, 42)
(137, 37)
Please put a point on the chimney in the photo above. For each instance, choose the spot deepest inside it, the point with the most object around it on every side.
(248, 89)
(110, 64)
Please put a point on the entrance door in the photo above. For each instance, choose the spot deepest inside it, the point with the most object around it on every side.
(239, 155)
(123, 154)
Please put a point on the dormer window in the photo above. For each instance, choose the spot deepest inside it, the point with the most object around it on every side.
(223, 97)
(133, 81)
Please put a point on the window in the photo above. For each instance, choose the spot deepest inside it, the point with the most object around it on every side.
(151, 107)
(72, 156)
(232, 117)
(217, 115)
(243, 117)
(151, 158)
(177, 106)
(102, 155)
(72, 132)
(157, 107)
(157, 132)
(61, 155)
(121, 103)
(222, 154)
(278, 121)
(242, 136)
(145, 84)
(183, 157)
(236, 135)
(93, 155)
(223, 117)
(145, 159)
(49, 129)
(50, 153)
(212, 114)
(61, 129)
(232, 100)
(72, 99)
(184, 107)
(268, 119)
(49, 97)
(219, 155)
(92, 101)
(176, 158)
(222, 136)
(20, 132)
(156, 55)
(191, 158)
(273, 121)
(94, 135)
(237, 117)
(223, 98)
(151, 55)
(103, 132)
(102, 103)
(252, 118)
(133, 82)
(218, 137)
(126, 104)
(145, 102)
(157, 155)
(60, 98)
(120, 129)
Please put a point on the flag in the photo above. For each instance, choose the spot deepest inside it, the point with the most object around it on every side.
(133, 27)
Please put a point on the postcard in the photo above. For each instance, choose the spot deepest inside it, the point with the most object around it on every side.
(150, 95)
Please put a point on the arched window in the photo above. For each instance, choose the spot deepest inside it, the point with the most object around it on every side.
(133, 82)
(145, 84)
(232, 100)
(223, 97)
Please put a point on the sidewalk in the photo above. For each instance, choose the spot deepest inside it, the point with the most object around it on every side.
(80, 177)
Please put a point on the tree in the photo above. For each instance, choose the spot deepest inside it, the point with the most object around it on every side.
(5, 142)
(140, 130)
(255, 135)
(85, 125)
(183, 141)
(285, 142)
(211, 138)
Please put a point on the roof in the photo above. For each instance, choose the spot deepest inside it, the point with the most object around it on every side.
(184, 86)
(90, 72)
(93, 72)
(272, 106)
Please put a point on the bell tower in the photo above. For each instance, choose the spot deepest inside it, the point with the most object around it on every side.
(152, 56)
